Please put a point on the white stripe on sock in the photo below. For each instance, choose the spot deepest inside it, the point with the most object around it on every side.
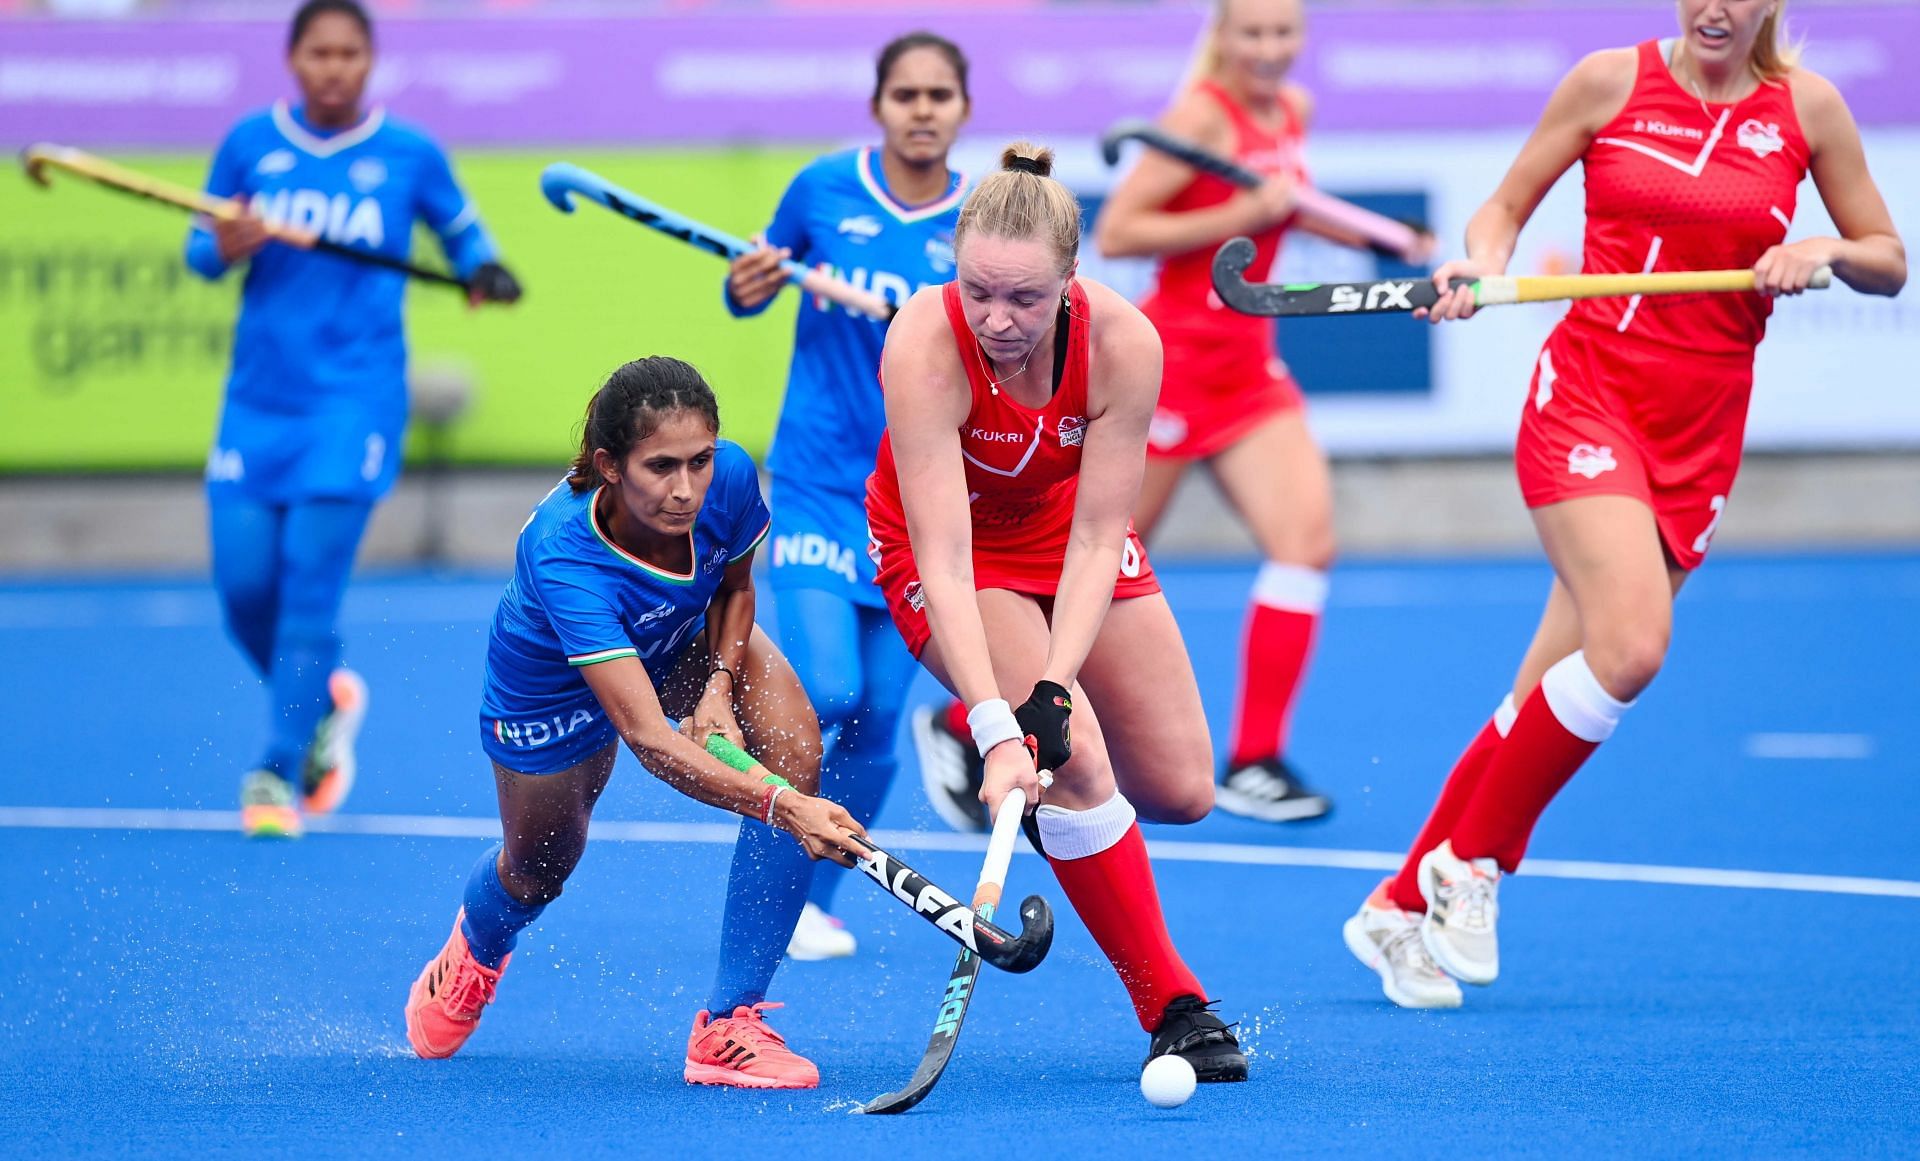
(1503, 715)
(1078, 834)
(1294, 588)
(1578, 699)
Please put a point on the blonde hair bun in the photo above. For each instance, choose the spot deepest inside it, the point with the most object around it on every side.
(1026, 157)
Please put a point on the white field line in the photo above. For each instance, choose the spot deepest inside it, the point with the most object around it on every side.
(1168, 850)
(1810, 747)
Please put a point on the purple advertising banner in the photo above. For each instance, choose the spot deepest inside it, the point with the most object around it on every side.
(783, 76)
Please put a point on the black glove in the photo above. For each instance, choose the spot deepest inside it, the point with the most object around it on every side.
(1043, 719)
(492, 282)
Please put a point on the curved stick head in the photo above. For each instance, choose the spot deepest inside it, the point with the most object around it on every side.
(1036, 936)
(33, 159)
(558, 182)
(1231, 260)
(1119, 134)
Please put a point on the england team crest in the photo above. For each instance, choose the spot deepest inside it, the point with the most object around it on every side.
(1589, 461)
(1761, 137)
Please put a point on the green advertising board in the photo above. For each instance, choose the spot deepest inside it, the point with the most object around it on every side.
(112, 353)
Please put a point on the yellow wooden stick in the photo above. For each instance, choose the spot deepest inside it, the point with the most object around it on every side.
(37, 159)
(1558, 288)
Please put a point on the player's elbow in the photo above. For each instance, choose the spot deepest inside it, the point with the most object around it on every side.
(1896, 277)
(1112, 240)
(203, 258)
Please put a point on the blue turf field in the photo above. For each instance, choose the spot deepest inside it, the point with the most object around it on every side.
(166, 991)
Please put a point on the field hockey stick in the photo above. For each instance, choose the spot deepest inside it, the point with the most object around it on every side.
(1307, 299)
(971, 930)
(966, 969)
(1383, 235)
(37, 159)
(562, 179)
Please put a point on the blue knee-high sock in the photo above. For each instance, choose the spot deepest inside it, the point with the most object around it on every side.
(493, 919)
(857, 774)
(245, 537)
(820, 634)
(318, 544)
(765, 891)
(863, 758)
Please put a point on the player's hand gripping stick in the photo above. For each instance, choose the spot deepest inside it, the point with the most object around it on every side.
(1383, 235)
(962, 924)
(38, 159)
(1390, 295)
(958, 995)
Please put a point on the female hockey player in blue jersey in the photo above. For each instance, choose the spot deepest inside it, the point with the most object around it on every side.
(316, 400)
(881, 217)
(631, 603)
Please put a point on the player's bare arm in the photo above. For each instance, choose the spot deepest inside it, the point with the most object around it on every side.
(1135, 223)
(927, 401)
(1590, 95)
(633, 706)
(1868, 255)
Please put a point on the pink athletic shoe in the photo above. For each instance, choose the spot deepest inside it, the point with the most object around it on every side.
(444, 1004)
(743, 1051)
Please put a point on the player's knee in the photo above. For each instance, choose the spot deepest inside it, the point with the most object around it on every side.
(1188, 806)
(794, 755)
(247, 595)
(1187, 799)
(1310, 546)
(1316, 544)
(539, 879)
(1626, 662)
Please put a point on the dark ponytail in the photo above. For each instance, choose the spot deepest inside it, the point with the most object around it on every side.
(313, 9)
(629, 407)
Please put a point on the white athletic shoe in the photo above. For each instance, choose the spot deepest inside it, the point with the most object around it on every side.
(1269, 790)
(1463, 905)
(951, 770)
(820, 936)
(1387, 940)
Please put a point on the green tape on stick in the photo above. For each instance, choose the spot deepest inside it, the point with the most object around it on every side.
(734, 756)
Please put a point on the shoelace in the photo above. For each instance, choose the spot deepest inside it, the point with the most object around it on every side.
(1469, 902)
(1195, 1036)
(468, 992)
(1406, 946)
(1260, 782)
(757, 1027)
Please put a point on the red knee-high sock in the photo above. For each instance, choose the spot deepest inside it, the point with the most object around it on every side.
(1112, 889)
(957, 719)
(1562, 723)
(1281, 622)
(1404, 888)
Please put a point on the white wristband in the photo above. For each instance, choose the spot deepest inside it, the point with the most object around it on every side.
(992, 723)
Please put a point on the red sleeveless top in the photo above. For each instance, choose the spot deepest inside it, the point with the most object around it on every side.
(1022, 464)
(1183, 286)
(1677, 183)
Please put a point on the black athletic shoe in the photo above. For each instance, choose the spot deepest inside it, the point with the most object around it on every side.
(951, 770)
(1189, 1029)
(1270, 791)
